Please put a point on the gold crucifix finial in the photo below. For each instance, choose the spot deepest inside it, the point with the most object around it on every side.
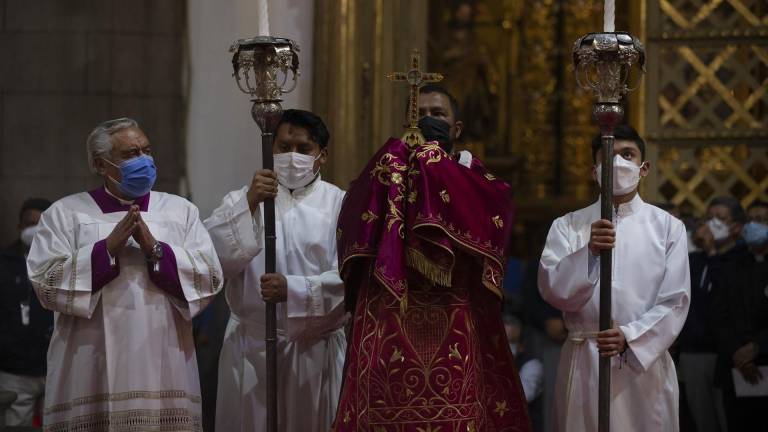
(415, 79)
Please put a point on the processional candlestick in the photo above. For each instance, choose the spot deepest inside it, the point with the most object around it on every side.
(603, 62)
(262, 66)
(415, 79)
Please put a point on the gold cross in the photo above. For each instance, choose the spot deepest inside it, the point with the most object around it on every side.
(415, 79)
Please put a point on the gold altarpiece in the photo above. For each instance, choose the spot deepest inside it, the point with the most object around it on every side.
(702, 104)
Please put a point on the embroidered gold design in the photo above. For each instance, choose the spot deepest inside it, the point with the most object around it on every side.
(115, 397)
(368, 216)
(429, 428)
(471, 427)
(490, 177)
(498, 221)
(397, 355)
(432, 152)
(173, 419)
(395, 216)
(501, 408)
(455, 354)
(339, 233)
(346, 417)
(383, 169)
(445, 196)
(412, 196)
(397, 178)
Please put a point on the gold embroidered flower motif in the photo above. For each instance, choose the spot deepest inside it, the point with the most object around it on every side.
(498, 221)
(501, 408)
(397, 354)
(444, 195)
(455, 354)
(368, 216)
(397, 178)
(432, 152)
(412, 197)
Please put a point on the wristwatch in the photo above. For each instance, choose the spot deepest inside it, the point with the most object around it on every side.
(157, 253)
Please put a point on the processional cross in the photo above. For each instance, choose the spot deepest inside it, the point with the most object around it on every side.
(415, 79)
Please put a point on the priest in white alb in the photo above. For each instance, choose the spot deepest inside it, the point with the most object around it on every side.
(651, 294)
(124, 269)
(307, 288)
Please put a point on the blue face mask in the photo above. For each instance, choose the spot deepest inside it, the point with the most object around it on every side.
(755, 234)
(139, 175)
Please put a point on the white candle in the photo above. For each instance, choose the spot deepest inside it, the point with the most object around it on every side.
(263, 18)
(609, 15)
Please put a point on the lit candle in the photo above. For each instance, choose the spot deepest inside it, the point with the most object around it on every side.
(609, 14)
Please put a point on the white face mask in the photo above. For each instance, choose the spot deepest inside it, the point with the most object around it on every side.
(28, 234)
(295, 170)
(718, 228)
(626, 175)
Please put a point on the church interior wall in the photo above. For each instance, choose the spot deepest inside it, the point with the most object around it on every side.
(66, 66)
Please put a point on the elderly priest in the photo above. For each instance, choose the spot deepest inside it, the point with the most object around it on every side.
(125, 269)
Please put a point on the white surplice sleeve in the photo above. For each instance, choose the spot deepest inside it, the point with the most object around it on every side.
(654, 331)
(567, 278)
(315, 303)
(198, 267)
(314, 300)
(236, 233)
(60, 272)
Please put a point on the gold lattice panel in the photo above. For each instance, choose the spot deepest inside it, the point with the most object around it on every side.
(707, 93)
(693, 175)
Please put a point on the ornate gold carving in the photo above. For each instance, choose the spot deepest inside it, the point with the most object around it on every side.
(711, 96)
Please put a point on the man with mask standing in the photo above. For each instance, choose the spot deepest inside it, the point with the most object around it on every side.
(717, 242)
(307, 288)
(740, 298)
(651, 292)
(124, 269)
(423, 236)
(25, 327)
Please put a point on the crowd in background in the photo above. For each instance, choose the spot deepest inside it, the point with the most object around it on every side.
(720, 355)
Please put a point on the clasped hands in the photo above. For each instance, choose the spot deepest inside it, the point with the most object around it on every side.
(132, 225)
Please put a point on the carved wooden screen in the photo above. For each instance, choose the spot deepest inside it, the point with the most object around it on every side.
(707, 101)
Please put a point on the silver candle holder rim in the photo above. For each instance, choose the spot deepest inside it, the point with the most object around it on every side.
(243, 59)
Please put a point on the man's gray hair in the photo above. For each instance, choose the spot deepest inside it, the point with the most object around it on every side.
(99, 142)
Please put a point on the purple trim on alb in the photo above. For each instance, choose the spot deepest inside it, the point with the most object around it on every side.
(109, 204)
(167, 276)
(102, 272)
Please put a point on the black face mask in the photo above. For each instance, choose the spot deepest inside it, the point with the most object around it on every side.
(436, 130)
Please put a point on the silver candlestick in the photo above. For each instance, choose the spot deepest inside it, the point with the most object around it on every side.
(263, 66)
(603, 62)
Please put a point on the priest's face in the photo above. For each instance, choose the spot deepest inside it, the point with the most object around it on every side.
(628, 150)
(291, 138)
(126, 144)
(438, 105)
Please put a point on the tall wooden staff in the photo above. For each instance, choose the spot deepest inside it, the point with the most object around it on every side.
(603, 62)
(261, 69)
